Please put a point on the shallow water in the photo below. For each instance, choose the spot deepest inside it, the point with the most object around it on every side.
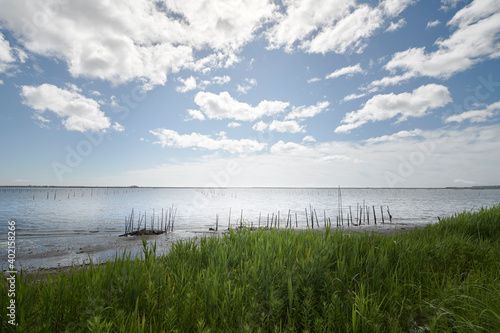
(60, 226)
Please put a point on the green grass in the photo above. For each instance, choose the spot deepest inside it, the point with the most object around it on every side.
(443, 278)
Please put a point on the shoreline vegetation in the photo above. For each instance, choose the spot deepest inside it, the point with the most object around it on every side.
(444, 278)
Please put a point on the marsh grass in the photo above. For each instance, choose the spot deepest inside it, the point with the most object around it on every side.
(443, 278)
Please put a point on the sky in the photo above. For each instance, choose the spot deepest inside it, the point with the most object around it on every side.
(293, 93)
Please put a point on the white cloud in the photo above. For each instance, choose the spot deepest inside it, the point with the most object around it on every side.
(331, 25)
(432, 24)
(396, 136)
(188, 84)
(302, 18)
(233, 125)
(474, 40)
(290, 126)
(314, 79)
(138, 39)
(249, 84)
(449, 4)
(307, 112)
(260, 126)
(476, 116)
(334, 158)
(393, 8)
(395, 26)
(118, 127)
(170, 138)
(220, 80)
(78, 112)
(433, 159)
(308, 138)
(195, 115)
(287, 148)
(350, 33)
(6, 57)
(223, 106)
(383, 107)
(349, 71)
(352, 96)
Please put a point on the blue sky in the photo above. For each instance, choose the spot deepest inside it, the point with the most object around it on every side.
(393, 93)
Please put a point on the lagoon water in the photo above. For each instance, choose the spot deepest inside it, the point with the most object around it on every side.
(61, 226)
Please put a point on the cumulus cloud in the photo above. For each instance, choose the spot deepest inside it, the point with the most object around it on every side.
(249, 84)
(118, 127)
(449, 4)
(220, 80)
(396, 136)
(474, 40)
(170, 138)
(404, 105)
(223, 106)
(308, 138)
(349, 71)
(314, 79)
(302, 112)
(195, 115)
(331, 25)
(289, 126)
(432, 24)
(78, 112)
(138, 39)
(476, 116)
(6, 56)
(352, 96)
(287, 148)
(188, 84)
(233, 125)
(395, 26)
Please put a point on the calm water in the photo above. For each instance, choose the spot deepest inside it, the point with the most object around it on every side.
(69, 219)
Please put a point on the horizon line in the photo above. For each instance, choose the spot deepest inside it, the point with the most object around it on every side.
(246, 187)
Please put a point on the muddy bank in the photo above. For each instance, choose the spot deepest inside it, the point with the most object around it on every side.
(105, 249)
